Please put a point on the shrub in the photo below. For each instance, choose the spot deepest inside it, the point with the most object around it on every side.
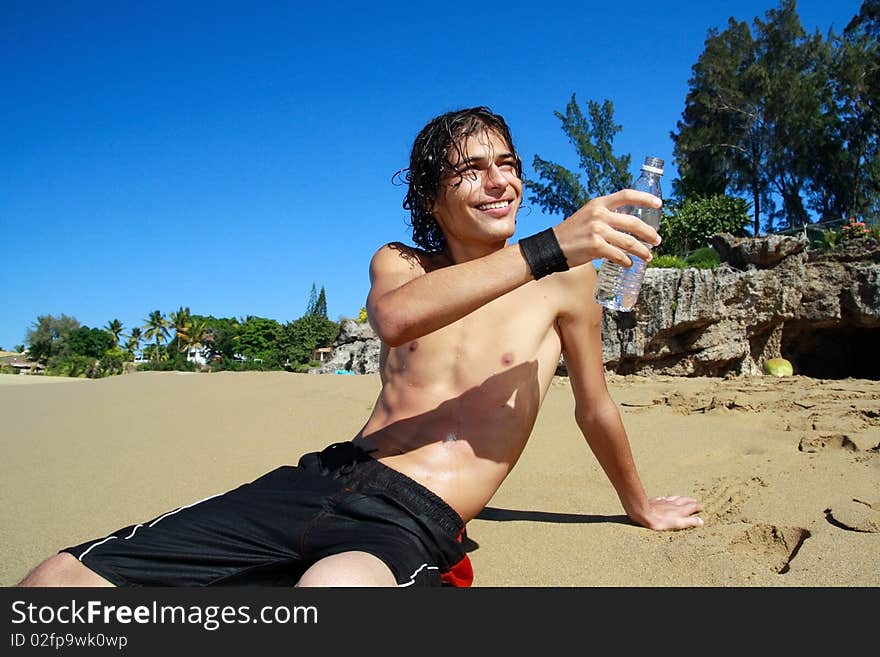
(690, 225)
(73, 365)
(705, 258)
(176, 365)
(232, 365)
(667, 262)
(830, 239)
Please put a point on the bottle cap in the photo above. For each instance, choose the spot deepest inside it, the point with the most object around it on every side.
(653, 165)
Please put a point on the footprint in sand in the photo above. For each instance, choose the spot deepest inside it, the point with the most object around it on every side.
(821, 443)
(855, 515)
(771, 545)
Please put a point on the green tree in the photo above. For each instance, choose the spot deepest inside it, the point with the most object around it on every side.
(193, 335)
(848, 175)
(592, 135)
(796, 105)
(224, 336)
(114, 328)
(313, 301)
(301, 337)
(89, 342)
(771, 114)
(258, 340)
(321, 304)
(179, 321)
(716, 107)
(133, 343)
(156, 328)
(48, 337)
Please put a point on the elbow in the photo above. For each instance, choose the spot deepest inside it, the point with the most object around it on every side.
(389, 326)
(588, 417)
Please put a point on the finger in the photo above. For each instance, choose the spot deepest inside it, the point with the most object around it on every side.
(629, 244)
(616, 255)
(626, 223)
(631, 197)
(691, 521)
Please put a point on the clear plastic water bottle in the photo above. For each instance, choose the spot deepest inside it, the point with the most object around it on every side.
(618, 287)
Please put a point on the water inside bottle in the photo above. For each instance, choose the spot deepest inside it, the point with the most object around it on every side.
(618, 287)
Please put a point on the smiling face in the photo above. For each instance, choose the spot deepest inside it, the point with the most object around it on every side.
(480, 194)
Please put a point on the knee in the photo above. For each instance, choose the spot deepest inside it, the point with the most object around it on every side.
(62, 569)
(349, 569)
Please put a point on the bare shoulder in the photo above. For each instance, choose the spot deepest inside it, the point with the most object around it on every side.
(575, 289)
(399, 259)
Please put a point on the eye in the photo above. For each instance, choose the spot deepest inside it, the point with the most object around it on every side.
(469, 171)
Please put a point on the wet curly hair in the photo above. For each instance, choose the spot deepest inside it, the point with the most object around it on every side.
(429, 163)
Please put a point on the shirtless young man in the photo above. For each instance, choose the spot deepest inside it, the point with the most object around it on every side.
(470, 343)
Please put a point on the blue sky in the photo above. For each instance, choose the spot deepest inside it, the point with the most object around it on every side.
(226, 156)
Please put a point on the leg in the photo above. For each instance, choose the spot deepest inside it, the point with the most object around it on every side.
(63, 569)
(349, 569)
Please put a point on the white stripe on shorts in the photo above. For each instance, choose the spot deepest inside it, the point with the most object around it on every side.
(133, 531)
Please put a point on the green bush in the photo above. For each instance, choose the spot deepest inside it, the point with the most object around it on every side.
(175, 365)
(667, 262)
(689, 225)
(73, 365)
(232, 365)
(705, 258)
(830, 239)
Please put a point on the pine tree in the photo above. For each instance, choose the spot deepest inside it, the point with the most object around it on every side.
(321, 304)
(313, 301)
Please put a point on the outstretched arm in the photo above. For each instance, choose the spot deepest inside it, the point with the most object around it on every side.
(406, 301)
(598, 417)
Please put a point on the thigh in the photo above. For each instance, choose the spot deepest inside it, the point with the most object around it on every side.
(63, 570)
(353, 568)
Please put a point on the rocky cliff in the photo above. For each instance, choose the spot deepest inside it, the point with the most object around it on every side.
(770, 297)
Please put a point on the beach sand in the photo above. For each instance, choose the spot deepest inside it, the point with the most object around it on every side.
(788, 470)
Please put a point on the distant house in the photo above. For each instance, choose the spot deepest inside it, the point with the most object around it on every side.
(322, 354)
(20, 363)
(199, 355)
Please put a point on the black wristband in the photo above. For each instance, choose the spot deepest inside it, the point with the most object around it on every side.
(543, 253)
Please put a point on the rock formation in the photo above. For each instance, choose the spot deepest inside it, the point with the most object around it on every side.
(769, 298)
(356, 349)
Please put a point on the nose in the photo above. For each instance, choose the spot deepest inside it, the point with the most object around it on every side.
(494, 177)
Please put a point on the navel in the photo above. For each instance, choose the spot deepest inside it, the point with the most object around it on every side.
(413, 345)
(507, 359)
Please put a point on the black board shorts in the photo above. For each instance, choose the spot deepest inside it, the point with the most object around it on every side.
(268, 532)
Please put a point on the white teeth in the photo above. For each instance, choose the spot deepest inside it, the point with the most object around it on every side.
(494, 206)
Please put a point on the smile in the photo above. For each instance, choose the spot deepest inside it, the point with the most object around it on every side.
(497, 205)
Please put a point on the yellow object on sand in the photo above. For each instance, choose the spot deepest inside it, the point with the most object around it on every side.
(778, 367)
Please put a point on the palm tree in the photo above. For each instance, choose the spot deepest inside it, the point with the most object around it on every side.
(134, 340)
(180, 321)
(156, 328)
(114, 328)
(192, 336)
